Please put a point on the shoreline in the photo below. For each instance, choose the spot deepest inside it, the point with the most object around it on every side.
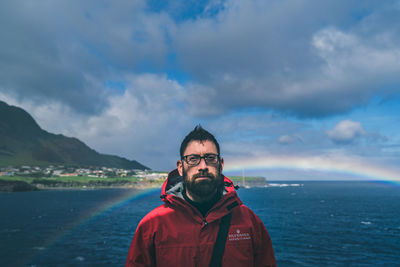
(12, 186)
(138, 187)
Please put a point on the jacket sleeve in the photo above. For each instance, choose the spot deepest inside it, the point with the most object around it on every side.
(142, 250)
(264, 253)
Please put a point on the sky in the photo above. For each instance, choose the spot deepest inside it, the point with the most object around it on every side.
(293, 90)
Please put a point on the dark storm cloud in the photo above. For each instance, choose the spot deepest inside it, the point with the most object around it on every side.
(66, 51)
(308, 58)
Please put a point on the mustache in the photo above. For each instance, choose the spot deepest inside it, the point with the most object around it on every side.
(209, 175)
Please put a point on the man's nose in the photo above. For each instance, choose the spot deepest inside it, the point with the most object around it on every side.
(202, 164)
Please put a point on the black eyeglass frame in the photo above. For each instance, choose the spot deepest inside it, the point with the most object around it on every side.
(185, 158)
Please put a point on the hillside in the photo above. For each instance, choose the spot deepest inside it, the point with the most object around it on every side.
(23, 142)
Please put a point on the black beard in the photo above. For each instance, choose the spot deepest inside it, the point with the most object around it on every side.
(203, 188)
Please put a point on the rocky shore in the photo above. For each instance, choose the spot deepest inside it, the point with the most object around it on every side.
(16, 186)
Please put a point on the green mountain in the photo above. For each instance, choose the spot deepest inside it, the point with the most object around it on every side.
(23, 142)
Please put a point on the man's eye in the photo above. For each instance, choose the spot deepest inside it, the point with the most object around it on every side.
(211, 157)
(192, 158)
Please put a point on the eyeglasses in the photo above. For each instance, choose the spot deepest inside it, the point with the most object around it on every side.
(194, 160)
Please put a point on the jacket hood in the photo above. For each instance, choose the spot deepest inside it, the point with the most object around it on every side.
(172, 192)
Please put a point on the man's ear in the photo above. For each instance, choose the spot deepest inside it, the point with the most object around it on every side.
(179, 167)
(222, 163)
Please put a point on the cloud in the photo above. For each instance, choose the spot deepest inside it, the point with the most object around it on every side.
(145, 123)
(310, 59)
(346, 132)
(67, 51)
(256, 135)
(260, 135)
(289, 139)
(252, 55)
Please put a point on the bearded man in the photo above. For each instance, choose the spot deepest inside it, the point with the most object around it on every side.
(202, 221)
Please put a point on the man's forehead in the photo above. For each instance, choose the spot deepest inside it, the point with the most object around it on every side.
(201, 146)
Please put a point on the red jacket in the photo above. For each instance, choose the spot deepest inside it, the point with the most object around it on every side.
(176, 234)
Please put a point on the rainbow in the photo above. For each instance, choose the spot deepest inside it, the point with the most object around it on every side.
(339, 165)
(127, 197)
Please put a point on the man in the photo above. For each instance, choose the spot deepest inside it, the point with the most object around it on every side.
(201, 208)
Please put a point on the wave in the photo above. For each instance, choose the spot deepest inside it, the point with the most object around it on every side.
(283, 185)
(366, 222)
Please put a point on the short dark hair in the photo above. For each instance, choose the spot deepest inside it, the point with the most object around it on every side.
(198, 134)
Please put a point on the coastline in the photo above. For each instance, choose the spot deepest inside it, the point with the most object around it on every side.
(11, 186)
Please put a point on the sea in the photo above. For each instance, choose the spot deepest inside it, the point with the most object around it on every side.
(311, 223)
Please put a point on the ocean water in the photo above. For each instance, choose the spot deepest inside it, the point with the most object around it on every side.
(310, 223)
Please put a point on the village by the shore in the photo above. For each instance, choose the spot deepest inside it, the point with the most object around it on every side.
(68, 171)
(31, 178)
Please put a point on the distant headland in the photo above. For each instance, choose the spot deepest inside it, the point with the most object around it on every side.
(23, 142)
